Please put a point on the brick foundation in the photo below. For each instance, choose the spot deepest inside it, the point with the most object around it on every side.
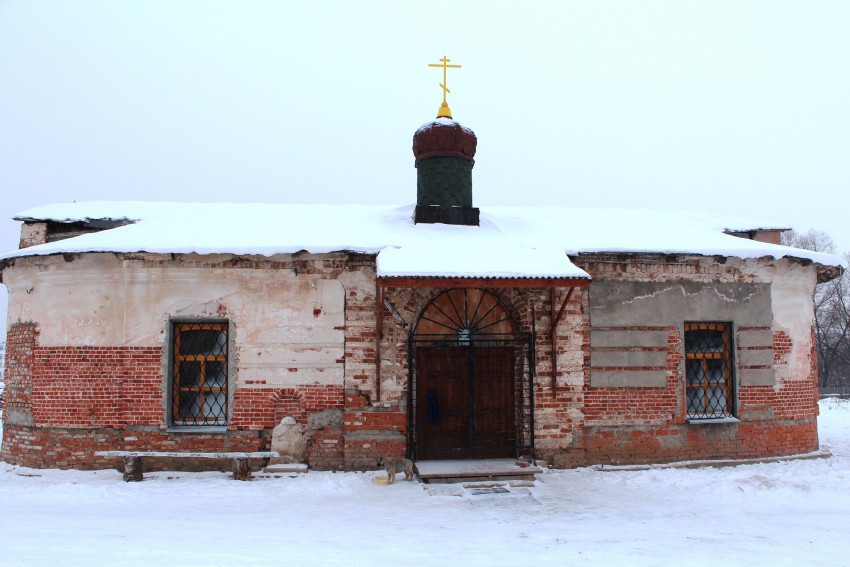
(326, 450)
(658, 444)
(372, 433)
(52, 447)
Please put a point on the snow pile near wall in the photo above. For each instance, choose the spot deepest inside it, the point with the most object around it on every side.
(792, 513)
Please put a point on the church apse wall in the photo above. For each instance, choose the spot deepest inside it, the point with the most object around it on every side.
(650, 392)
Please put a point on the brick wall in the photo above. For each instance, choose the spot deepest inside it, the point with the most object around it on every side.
(32, 234)
(559, 396)
(781, 346)
(578, 424)
(773, 421)
(65, 402)
(647, 424)
(360, 323)
(63, 448)
(21, 341)
(372, 432)
(263, 408)
(326, 450)
(674, 442)
(152, 438)
(97, 386)
(637, 406)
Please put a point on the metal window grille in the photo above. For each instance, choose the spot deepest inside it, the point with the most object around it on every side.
(470, 392)
(709, 370)
(200, 374)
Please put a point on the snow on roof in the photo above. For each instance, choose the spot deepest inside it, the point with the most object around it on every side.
(510, 242)
(442, 121)
(476, 261)
(93, 210)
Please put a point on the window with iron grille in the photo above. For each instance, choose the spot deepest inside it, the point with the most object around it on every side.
(199, 374)
(709, 370)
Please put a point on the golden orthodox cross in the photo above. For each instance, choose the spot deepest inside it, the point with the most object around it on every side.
(444, 63)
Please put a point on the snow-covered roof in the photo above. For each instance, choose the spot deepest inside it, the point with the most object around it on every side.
(511, 242)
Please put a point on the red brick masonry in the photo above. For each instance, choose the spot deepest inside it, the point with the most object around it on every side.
(640, 425)
(65, 403)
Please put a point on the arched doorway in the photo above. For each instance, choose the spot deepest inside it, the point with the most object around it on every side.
(470, 382)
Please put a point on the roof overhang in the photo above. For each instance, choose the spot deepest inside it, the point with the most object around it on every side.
(501, 283)
(476, 263)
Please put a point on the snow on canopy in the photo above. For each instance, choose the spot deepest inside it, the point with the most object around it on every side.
(476, 260)
(510, 241)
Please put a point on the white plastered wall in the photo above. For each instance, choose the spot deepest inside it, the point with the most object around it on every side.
(288, 327)
(793, 313)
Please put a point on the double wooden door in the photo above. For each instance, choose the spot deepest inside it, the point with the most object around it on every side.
(465, 402)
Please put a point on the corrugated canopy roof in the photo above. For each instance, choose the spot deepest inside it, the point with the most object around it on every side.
(476, 260)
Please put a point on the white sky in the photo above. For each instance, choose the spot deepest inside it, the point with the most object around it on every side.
(723, 105)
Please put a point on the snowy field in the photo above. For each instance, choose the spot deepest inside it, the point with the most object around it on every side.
(790, 513)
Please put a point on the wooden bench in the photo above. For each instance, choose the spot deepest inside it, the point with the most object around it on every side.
(133, 460)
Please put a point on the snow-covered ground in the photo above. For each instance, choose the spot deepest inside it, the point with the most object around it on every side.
(789, 513)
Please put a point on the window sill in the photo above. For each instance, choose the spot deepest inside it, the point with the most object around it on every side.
(197, 429)
(712, 420)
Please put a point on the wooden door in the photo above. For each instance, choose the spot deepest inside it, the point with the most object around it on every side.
(442, 394)
(494, 422)
(465, 403)
(465, 382)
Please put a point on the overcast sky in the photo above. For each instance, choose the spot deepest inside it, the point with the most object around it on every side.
(720, 105)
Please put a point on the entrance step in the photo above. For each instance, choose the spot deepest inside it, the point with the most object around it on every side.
(488, 494)
(500, 484)
(286, 468)
(446, 472)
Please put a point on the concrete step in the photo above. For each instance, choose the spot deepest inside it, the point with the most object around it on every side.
(465, 471)
(511, 493)
(286, 468)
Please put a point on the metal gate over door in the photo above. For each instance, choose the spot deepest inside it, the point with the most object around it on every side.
(470, 388)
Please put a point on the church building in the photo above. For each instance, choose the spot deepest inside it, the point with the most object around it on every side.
(440, 331)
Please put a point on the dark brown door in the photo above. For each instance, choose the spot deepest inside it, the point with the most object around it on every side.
(494, 424)
(465, 403)
(442, 396)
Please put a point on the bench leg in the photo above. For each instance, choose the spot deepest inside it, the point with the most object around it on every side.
(133, 469)
(241, 469)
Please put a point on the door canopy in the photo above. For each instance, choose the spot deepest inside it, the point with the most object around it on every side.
(464, 314)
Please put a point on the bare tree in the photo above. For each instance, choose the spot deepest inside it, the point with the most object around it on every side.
(832, 330)
(814, 240)
(832, 312)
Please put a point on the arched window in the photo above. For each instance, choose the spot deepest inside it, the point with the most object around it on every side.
(464, 314)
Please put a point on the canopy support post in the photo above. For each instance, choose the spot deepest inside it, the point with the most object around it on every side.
(555, 320)
(379, 328)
